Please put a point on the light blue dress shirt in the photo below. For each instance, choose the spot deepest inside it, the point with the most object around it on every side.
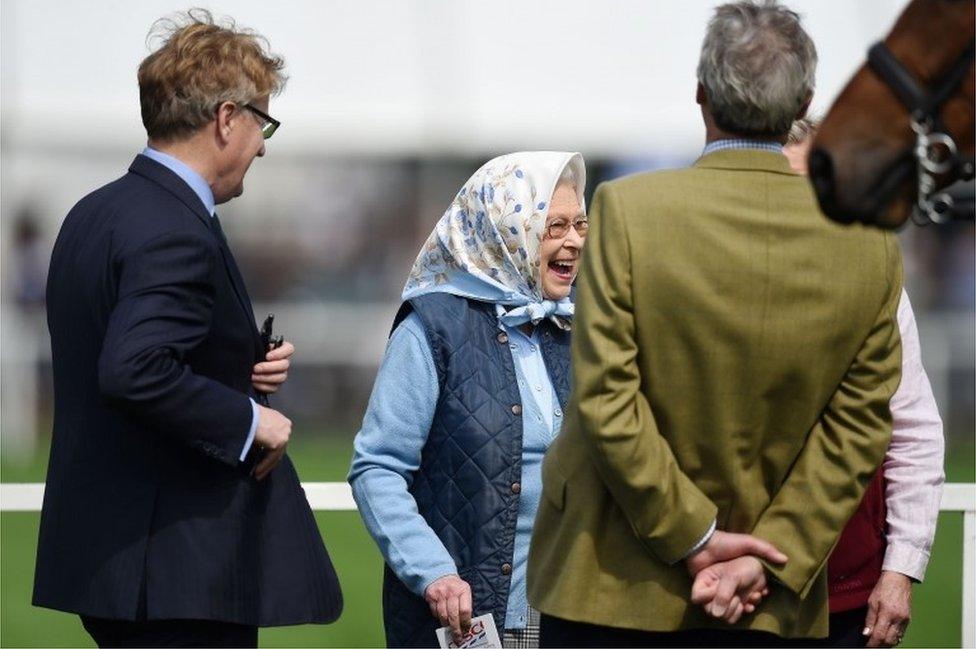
(201, 189)
(387, 454)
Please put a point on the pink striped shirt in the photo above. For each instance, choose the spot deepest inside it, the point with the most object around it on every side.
(913, 466)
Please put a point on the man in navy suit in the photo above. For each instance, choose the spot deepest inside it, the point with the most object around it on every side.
(172, 515)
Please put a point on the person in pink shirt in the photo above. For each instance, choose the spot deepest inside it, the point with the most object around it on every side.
(885, 546)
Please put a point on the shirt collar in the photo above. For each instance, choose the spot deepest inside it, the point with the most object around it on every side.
(188, 175)
(742, 143)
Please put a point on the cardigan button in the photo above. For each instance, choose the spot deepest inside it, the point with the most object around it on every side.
(516, 488)
(502, 337)
(506, 568)
(516, 410)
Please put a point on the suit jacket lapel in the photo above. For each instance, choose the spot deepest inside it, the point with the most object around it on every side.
(239, 288)
(152, 170)
(236, 280)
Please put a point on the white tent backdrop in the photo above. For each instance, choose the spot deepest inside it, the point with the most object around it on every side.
(397, 77)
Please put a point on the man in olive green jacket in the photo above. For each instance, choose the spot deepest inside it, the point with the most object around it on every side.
(734, 357)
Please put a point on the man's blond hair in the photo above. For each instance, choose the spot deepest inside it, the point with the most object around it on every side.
(201, 64)
(802, 130)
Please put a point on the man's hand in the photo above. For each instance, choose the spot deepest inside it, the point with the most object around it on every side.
(272, 435)
(724, 546)
(729, 589)
(449, 599)
(889, 610)
(268, 376)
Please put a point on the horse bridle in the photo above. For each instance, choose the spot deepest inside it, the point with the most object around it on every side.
(936, 154)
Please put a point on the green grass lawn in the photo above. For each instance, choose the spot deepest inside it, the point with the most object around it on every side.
(355, 557)
(936, 616)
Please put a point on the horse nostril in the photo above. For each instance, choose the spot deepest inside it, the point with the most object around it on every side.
(821, 172)
(821, 169)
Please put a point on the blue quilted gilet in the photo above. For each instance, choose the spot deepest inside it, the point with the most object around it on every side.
(465, 486)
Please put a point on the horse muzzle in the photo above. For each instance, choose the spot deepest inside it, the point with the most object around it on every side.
(864, 200)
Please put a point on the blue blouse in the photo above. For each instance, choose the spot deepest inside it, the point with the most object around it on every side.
(388, 447)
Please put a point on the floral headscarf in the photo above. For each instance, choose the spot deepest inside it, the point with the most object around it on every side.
(487, 244)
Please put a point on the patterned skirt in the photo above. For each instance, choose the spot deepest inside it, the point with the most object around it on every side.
(527, 638)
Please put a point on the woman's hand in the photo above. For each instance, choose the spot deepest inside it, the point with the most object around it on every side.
(889, 610)
(449, 599)
(268, 376)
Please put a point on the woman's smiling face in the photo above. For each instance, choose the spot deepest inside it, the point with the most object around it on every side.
(560, 256)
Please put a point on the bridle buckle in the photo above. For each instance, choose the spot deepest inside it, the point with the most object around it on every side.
(935, 152)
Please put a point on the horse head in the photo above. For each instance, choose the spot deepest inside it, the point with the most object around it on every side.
(862, 162)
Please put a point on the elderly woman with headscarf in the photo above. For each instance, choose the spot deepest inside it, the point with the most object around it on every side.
(447, 467)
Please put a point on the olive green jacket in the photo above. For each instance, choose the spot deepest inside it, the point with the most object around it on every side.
(734, 354)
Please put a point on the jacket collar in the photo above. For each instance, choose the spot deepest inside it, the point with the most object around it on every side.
(746, 160)
(168, 180)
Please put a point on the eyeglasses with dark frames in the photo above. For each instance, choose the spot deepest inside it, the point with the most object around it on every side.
(269, 125)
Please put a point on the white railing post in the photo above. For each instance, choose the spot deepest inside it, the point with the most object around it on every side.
(968, 578)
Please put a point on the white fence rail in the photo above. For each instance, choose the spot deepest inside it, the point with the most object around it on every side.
(336, 496)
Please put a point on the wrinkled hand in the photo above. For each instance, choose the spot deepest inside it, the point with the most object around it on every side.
(272, 435)
(729, 589)
(268, 375)
(889, 610)
(449, 599)
(725, 546)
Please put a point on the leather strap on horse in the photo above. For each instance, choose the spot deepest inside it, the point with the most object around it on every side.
(921, 102)
(924, 106)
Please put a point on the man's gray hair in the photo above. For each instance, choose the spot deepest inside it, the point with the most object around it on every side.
(757, 67)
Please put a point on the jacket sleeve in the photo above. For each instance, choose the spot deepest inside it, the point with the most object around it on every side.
(666, 511)
(163, 311)
(842, 452)
(387, 454)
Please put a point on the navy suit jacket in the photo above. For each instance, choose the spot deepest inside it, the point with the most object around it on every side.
(148, 514)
